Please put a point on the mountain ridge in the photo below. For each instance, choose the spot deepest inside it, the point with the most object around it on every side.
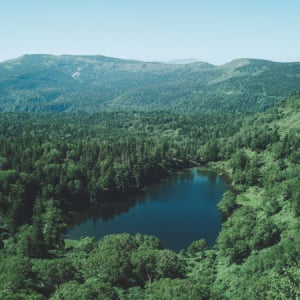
(42, 82)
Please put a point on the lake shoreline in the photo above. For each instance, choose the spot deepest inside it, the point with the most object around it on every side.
(183, 205)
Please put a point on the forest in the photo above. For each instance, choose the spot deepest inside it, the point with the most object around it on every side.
(77, 83)
(54, 163)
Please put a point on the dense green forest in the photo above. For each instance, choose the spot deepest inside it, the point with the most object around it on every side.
(47, 83)
(53, 163)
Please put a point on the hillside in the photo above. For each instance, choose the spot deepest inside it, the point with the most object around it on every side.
(258, 247)
(53, 163)
(97, 83)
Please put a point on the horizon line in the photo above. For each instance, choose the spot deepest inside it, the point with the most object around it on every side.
(179, 61)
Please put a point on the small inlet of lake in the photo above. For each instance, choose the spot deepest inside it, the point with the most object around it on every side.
(178, 210)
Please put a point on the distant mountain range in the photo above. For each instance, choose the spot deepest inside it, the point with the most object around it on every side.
(48, 83)
(182, 61)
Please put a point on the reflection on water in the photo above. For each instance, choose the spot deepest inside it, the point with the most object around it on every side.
(107, 209)
(178, 210)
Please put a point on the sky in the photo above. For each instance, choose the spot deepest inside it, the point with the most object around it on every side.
(214, 31)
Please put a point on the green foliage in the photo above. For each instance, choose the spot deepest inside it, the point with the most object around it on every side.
(52, 273)
(91, 289)
(196, 247)
(30, 242)
(53, 227)
(15, 274)
(21, 295)
(85, 245)
(149, 265)
(110, 261)
(53, 163)
(76, 160)
(228, 203)
(286, 284)
(44, 83)
(126, 260)
(264, 275)
(234, 239)
(174, 289)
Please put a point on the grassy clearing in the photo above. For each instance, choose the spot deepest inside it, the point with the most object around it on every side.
(252, 197)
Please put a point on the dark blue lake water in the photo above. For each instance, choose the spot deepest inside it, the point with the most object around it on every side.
(178, 210)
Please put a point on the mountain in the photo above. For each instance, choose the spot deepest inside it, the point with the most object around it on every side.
(98, 83)
(183, 61)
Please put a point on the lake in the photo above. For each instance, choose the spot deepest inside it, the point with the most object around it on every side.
(178, 210)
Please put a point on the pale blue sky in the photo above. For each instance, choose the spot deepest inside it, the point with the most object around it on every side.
(215, 31)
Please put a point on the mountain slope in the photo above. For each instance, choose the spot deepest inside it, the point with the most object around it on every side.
(97, 83)
(258, 246)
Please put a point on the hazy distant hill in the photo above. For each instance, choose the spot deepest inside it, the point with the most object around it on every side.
(95, 83)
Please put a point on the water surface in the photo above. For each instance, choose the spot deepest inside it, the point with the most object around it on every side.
(177, 210)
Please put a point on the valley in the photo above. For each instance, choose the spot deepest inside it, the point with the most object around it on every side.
(76, 131)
